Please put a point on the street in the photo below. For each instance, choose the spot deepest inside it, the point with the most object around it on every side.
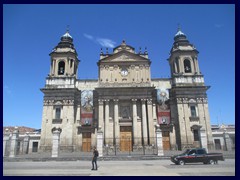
(117, 168)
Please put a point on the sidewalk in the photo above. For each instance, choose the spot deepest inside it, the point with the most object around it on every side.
(87, 156)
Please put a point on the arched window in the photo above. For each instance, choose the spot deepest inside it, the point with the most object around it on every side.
(61, 68)
(187, 66)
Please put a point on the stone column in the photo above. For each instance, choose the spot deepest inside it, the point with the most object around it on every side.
(116, 122)
(26, 143)
(107, 121)
(56, 141)
(154, 112)
(100, 141)
(135, 138)
(144, 122)
(5, 142)
(78, 116)
(159, 141)
(14, 141)
(227, 140)
(100, 114)
(150, 121)
(181, 65)
(203, 140)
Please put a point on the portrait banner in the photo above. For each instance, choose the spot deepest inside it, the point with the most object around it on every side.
(86, 107)
(163, 110)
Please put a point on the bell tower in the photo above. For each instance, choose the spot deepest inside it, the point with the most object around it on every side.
(189, 105)
(61, 105)
(183, 61)
(64, 58)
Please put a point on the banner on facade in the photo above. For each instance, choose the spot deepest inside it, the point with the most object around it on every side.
(163, 109)
(86, 107)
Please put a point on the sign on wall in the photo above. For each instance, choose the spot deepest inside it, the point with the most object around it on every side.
(86, 107)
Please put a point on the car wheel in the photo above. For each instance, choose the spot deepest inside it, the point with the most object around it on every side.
(211, 161)
(181, 162)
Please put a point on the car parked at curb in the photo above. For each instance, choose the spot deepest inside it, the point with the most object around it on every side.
(195, 155)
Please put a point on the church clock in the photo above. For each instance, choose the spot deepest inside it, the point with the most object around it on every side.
(124, 72)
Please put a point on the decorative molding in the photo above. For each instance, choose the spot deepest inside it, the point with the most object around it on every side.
(48, 102)
(115, 67)
(179, 100)
(57, 121)
(193, 101)
(101, 66)
(149, 101)
(205, 100)
(199, 100)
(115, 101)
(194, 119)
(100, 101)
(106, 100)
(185, 100)
(68, 102)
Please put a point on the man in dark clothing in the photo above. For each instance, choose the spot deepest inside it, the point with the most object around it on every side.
(94, 159)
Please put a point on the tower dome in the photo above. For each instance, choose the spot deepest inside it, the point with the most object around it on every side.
(66, 42)
(179, 35)
(67, 37)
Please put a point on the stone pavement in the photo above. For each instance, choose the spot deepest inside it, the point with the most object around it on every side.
(117, 168)
(87, 156)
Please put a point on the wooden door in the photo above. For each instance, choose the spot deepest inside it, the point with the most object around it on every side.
(166, 140)
(126, 138)
(86, 142)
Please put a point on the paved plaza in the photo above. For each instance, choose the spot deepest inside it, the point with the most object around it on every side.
(162, 167)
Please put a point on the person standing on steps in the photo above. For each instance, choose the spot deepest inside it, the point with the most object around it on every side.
(94, 159)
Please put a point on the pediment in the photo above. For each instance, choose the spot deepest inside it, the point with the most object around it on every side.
(125, 56)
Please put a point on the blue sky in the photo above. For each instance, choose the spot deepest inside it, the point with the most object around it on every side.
(31, 31)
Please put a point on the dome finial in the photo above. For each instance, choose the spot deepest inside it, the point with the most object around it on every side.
(179, 27)
(67, 28)
(67, 35)
(179, 32)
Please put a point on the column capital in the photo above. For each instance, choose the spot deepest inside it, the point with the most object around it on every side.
(149, 101)
(143, 100)
(134, 100)
(100, 101)
(107, 101)
(116, 100)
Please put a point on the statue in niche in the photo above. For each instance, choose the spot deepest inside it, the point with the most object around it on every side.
(125, 112)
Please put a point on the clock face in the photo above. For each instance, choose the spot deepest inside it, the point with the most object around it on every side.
(124, 72)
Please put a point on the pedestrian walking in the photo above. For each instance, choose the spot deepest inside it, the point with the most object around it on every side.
(94, 159)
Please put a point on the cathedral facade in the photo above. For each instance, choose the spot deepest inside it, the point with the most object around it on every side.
(125, 103)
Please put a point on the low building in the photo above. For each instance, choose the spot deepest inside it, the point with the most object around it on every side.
(27, 140)
(223, 137)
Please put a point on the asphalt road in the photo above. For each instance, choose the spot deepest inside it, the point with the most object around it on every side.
(117, 168)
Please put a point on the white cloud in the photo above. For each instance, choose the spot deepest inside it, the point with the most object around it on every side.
(218, 25)
(88, 36)
(101, 41)
(106, 42)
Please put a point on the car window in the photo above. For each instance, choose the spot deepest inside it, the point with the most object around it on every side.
(201, 151)
(192, 152)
